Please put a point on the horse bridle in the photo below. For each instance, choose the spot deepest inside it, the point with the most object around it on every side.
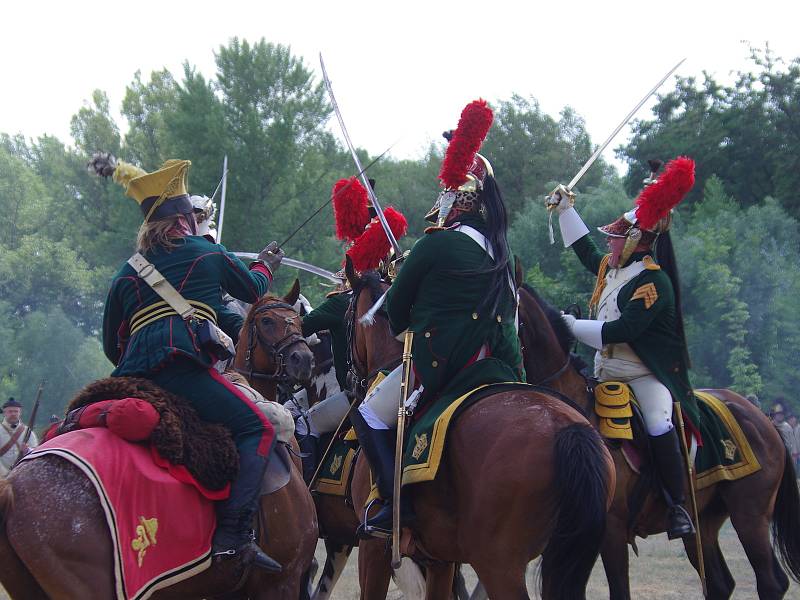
(360, 383)
(274, 351)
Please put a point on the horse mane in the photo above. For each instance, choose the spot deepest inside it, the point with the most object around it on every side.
(373, 282)
(561, 329)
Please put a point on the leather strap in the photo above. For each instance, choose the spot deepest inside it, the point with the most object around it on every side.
(151, 276)
(14, 438)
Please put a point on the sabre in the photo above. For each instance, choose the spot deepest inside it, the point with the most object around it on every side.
(569, 187)
(364, 180)
(224, 184)
(697, 536)
(405, 391)
(296, 264)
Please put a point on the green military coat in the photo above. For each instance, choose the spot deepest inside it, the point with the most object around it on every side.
(330, 315)
(435, 298)
(648, 324)
(138, 342)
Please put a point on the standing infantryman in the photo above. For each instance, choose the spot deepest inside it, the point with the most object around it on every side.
(638, 333)
(12, 434)
(455, 291)
(144, 337)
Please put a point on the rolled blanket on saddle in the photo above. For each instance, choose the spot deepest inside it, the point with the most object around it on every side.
(138, 410)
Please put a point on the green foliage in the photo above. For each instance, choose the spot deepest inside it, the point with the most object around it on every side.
(64, 233)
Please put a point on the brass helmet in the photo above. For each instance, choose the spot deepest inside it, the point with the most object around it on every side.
(652, 215)
(464, 170)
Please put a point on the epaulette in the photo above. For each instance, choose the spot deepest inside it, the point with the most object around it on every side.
(650, 264)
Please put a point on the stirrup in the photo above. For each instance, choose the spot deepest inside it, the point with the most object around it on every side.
(684, 530)
(365, 530)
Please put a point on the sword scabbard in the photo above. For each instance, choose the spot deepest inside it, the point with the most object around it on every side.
(405, 385)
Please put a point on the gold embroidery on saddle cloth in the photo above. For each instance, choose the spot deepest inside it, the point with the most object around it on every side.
(730, 449)
(336, 463)
(647, 293)
(146, 536)
(420, 446)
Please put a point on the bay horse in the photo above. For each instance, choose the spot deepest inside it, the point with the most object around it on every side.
(752, 503)
(55, 542)
(524, 475)
(337, 519)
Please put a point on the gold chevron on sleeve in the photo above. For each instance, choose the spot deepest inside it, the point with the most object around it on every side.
(647, 293)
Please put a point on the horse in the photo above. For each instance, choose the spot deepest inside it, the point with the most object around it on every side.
(541, 486)
(752, 503)
(55, 542)
(337, 519)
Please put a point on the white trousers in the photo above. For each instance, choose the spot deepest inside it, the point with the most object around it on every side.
(653, 396)
(379, 408)
(324, 416)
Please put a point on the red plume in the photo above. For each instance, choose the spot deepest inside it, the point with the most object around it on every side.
(474, 124)
(656, 200)
(349, 208)
(372, 246)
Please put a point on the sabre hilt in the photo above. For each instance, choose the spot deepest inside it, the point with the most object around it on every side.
(555, 197)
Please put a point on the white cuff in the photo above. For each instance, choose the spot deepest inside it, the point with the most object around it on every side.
(572, 226)
(590, 332)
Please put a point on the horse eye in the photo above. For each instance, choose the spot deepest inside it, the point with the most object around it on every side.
(266, 321)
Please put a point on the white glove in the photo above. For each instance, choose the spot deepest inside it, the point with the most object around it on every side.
(561, 198)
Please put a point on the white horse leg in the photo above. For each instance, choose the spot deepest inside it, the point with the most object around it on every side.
(335, 562)
(410, 580)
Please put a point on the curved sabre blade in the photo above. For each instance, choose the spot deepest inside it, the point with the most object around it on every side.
(624, 122)
(364, 179)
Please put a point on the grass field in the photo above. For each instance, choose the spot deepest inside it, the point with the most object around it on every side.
(661, 572)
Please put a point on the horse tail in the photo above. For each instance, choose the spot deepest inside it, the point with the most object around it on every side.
(786, 520)
(581, 495)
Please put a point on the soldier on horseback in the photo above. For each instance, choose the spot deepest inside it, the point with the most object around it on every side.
(354, 216)
(638, 330)
(144, 336)
(455, 291)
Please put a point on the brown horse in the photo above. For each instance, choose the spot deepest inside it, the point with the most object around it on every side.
(524, 475)
(55, 542)
(769, 495)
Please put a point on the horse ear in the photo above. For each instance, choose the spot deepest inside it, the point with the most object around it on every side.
(519, 273)
(350, 271)
(293, 294)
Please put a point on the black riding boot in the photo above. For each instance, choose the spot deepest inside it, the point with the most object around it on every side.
(233, 536)
(309, 447)
(672, 472)
(378, 445)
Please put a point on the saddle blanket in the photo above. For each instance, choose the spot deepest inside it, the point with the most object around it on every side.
(427, 435)
(723, 452)
(160, 528)
(334, 475)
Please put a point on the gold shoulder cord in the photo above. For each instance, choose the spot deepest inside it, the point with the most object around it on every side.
(599, 286)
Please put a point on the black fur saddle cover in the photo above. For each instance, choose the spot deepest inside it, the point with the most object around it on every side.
(181, 437)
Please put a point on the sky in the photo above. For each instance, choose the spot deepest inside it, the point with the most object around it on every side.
(401, 71)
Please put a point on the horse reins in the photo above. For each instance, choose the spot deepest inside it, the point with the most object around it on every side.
(275, 351)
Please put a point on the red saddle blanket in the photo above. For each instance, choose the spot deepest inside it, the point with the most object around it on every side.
(160, 527)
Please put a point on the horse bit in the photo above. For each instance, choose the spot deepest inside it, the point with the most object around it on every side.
(275, 351)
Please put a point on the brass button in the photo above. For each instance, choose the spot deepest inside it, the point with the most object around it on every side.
(475, 316)
(427, 334)
(435, 364)
(499, 319)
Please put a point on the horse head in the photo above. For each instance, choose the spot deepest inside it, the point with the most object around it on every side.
(545, 341)
(372, 347)
(271, 347)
